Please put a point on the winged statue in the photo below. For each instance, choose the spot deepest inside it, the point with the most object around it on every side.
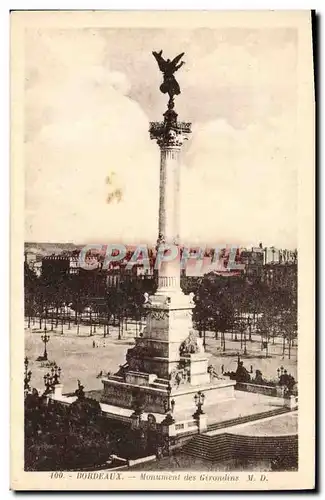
(170, 85)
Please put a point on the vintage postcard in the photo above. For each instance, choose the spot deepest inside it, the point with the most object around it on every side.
(162, 250)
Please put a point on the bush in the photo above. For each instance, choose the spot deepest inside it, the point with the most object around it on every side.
(59, 438)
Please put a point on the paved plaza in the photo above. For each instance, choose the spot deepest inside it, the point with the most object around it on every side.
(278, 425)
(78, 359)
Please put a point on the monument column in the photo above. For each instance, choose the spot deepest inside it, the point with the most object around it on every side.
(168, 359)
(170, 136)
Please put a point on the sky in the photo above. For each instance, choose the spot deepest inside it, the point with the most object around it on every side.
(91, 170)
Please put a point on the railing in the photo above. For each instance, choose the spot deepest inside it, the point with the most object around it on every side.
(158, 127)
(185, 426)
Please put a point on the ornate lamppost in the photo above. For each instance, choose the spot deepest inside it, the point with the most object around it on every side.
(27, 377)
(169, 406)
(52, 379)
(242, 336)
(89, 311)
(138, 403)
(52, 319)
(236, 337)
(103, 323)
(47, 382)
(62, 319)
(245, 345)
(45, 339)
(95, 319)
(67, 313)
(80, 393)
(56, 374)
(249, 324)
(199, 402)
(45, 319)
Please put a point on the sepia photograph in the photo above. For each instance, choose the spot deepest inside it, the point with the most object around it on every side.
(162, 250)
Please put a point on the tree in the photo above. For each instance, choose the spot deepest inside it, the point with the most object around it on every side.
(30, 289)
(223, 314)
(118, 302)
(214, 308)
(64, 438)
(289, 327)
(264, 325)
(203, 308)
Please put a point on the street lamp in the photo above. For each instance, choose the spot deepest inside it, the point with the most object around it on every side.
(245, 346)
(88, 311)
(47, 382)
(80, 393)
(78, 319)
(52, 379)
(67, 313)
(249, 323)
(56, 374)
(104, 329)
(45, 339)
(52, 318)
(62, 319)
(169, 406)
(241, 335)
(199, 402)
(90, 321)
(95, 322)
(28, 375)
(119, 324)
(242, 329)
(45, 318)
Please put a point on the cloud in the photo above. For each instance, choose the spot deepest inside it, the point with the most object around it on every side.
(89, 98)
(240, 184)
(84, 127)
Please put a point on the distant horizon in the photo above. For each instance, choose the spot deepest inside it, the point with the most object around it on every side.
(209, 246)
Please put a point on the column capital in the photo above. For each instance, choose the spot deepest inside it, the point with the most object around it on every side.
(169, 136)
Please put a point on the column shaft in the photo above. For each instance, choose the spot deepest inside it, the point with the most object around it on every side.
(169, 272)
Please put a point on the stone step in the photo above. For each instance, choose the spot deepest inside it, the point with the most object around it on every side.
(216, 447)
(247, 418)
(162, 381)
(158, 386)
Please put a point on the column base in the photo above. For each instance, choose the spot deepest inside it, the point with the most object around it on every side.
(117, 392)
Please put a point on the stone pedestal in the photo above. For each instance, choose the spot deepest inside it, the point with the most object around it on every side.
(169, 322)
(117, 392)
(158, 359)
(291, 402)
(197, 368)
(57, 390)
(202, 422)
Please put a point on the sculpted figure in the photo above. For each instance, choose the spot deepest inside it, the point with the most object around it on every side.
(169, 86)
